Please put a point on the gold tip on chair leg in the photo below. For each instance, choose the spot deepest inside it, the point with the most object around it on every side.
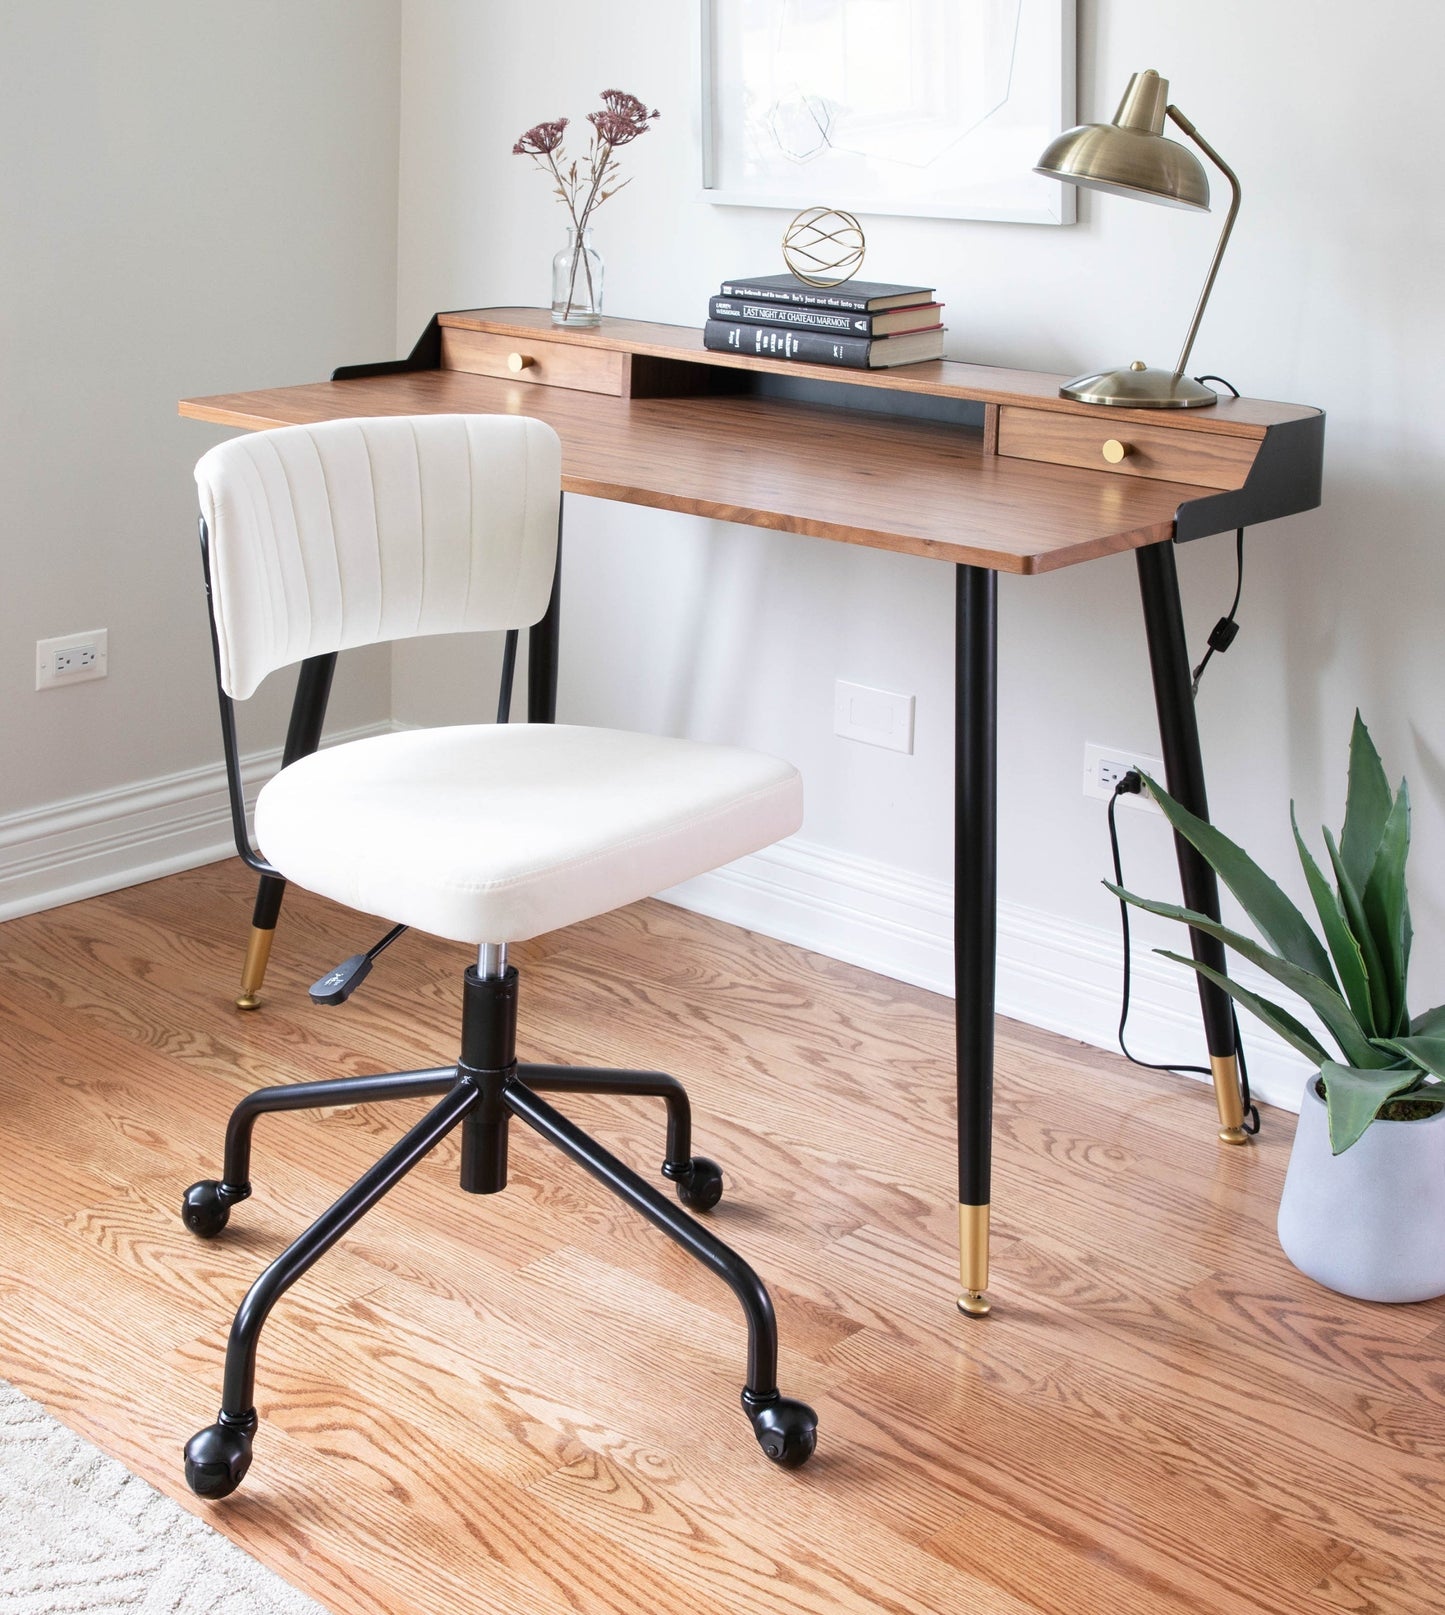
(253, 971)
(973, 1260)
(1227, 1100)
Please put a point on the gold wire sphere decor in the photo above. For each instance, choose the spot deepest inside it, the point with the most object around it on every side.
(823, 246)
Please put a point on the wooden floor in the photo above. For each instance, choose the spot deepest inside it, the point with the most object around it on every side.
(528, 1403)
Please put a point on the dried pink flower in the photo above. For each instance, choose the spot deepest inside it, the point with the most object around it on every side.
(622, 118)
(541, 140)
(625, 105)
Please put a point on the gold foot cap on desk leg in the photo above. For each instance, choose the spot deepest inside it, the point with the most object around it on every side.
(973, 1260)
(253, 971)
(1227, 1099)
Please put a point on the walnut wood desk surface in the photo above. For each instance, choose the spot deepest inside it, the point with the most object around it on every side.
(919, 487)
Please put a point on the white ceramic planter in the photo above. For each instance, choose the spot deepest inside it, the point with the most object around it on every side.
(1371, 1222)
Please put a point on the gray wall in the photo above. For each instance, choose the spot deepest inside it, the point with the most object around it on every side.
(196, 196)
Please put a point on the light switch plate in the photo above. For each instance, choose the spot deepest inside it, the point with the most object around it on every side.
(876, 717)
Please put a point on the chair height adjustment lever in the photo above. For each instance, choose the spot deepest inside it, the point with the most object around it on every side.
(337, 985)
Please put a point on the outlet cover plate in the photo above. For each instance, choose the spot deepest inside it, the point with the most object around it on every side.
(1103, 765)
(71, 658)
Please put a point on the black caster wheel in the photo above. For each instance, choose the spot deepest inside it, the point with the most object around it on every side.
(206, 1207)
(203, 1210)
(218, 1457)
(700, 1186)
(787, 1431)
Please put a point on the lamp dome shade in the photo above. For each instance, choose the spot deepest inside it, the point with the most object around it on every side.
(1130, 156)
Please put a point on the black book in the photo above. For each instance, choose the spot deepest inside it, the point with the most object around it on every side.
(837, 321)
(813, 347)
(857, 296)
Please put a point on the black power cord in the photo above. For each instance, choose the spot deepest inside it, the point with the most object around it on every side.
(1224, 632)
(1132, 784)
(1221, 637)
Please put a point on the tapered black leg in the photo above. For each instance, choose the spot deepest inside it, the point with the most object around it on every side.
(542, 647)
(1184, 775)
(217, 1457)
(785, 1429)
(975, 915)
(303, 736)
(206, 1206)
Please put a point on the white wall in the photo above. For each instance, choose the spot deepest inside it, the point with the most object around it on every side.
(1329, 296)
(197, 196)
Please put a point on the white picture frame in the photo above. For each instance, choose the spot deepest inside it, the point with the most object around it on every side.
(930, 108)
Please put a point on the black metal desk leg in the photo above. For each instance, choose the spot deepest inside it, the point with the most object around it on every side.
(303, 736)
(1184, 775)
(542, 641)
(975, 905)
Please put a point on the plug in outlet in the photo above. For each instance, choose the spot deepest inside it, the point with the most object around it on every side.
(70, 659)
(1105, 766)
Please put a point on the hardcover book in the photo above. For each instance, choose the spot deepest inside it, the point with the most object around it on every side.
(813, 347)
(839, 322)
(857, 296)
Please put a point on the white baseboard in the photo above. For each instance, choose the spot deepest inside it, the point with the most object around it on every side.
(1052, 973)
(86, 845)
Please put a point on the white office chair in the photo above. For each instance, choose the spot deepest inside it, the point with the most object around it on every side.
(360, 531)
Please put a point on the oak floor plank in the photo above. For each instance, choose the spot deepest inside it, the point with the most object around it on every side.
(527, 1402)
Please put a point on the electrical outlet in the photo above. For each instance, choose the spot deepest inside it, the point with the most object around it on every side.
(878, 717)
(70, 659)
(1105, 766)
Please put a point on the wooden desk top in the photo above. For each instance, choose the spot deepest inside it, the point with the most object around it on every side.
(920, 487)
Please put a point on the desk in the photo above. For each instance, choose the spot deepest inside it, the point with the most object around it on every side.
(987, 469)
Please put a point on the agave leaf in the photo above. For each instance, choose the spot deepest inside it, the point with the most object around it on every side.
(1428, 1052)
(1349, 961)
(1279, 921)
(1354, 908)
(1354, 1098)
(1319, 995)
(1428, 1024)
(1383, 901)
(1277, 1019)
(1367, 805)
(1408, 937)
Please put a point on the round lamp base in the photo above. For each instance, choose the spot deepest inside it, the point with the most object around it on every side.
(1139, 386)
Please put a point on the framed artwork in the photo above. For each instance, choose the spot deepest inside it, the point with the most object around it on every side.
(937, 108)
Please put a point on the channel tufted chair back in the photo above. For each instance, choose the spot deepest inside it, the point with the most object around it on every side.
(353, 532)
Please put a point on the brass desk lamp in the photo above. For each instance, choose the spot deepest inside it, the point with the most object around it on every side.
(1132, 157)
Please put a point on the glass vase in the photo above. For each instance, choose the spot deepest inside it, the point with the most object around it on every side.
(577, 282)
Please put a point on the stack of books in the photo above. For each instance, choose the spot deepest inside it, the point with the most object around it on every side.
(863, 324)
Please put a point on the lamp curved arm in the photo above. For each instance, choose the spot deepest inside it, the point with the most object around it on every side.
(1233, 179)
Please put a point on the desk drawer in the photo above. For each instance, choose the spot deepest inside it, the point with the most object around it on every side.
(1206, 459)
(531, 359)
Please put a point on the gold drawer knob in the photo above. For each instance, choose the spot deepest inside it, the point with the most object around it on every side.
(1115, 451)
(518, 362)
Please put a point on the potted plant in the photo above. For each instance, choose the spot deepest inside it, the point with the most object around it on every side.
(1363, 1209)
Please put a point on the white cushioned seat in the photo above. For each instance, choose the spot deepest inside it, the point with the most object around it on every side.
(496, 833)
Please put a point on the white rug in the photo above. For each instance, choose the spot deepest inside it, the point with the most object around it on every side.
(81, 1535)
